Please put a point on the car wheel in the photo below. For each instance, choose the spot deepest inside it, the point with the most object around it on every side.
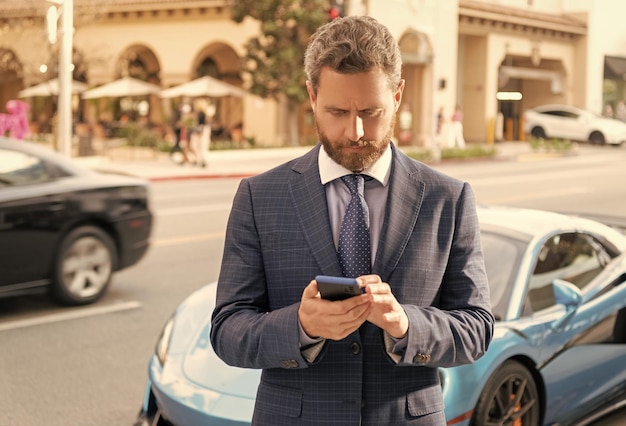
(84, 266)
(538, 133)
(596, 138)
(510, 397)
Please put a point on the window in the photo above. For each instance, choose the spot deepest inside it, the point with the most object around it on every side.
(502, 258)
(573, 257)
(19, 168)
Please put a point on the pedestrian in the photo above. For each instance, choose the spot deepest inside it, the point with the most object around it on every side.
(200, 134)
(176, 123)
(440, 121)
(620, 111)
(455, 133)
(187, 134)
(236, 134)
(370, 359)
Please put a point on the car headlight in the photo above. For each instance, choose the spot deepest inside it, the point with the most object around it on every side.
(163, 343)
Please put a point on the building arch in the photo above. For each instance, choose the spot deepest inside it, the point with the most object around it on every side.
(220, 60)
(414, 122)
(225, 60)
(539, 80)
(139, 61)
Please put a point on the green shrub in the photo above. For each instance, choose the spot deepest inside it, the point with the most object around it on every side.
(138, 136)
(551, 145)
(472, 151)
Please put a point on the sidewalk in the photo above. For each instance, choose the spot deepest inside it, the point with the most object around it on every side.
(233, 163)
(222, 163)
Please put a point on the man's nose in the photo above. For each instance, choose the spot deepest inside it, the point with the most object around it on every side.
(354, 130)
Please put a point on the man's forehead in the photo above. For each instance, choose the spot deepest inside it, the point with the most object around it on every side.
(357, 90)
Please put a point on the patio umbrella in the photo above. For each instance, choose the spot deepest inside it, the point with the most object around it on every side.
(126, 86)
(50, 88)
(203, 86)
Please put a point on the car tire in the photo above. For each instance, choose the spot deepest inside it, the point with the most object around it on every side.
(510, 397)
(84, 266)
(538, 133)
(596, 138)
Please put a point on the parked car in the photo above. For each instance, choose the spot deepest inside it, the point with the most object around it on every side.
(66, 228)
(558, 292)
(572, 123)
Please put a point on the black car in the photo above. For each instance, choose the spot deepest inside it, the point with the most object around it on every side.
(64, 227)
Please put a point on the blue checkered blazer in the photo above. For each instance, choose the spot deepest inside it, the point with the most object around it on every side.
(279, 238)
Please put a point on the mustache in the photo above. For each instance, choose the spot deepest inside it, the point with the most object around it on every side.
(357, 143)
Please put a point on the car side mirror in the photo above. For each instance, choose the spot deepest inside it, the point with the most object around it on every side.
(568, 295)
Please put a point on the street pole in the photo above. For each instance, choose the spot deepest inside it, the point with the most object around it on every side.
(64, 113)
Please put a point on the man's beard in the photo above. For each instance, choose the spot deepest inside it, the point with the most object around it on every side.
(372, 151)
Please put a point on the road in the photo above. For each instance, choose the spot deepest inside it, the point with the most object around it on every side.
(87, 366)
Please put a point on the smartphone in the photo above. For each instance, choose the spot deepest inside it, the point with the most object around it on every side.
(337, 288)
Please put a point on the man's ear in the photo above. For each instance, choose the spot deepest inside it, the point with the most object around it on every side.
(312, 95)
(398, 94)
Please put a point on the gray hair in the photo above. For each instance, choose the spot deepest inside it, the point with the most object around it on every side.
(350, 45)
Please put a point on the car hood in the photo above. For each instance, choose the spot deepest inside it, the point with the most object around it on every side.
(611, 123)
(96, 179)
(198, 362)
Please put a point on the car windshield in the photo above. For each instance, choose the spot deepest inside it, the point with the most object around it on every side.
(21, 168)
(502, 258)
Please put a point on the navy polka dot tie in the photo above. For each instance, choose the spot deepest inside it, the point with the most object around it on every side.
(354, 237)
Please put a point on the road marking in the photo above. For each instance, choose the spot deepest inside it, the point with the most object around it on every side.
(70, 315)
(528, 179)
(164, 242)
(547, 194)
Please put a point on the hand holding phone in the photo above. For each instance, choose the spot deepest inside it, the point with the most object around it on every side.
(337, 288)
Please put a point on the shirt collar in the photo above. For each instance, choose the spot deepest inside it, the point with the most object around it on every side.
(329, 170)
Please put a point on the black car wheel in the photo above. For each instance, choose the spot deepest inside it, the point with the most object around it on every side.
(538, 133)
(596, 138)
(84, 266)
(509, 398)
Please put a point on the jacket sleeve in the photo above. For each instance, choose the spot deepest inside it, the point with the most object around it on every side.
(458, 327)
(245, 332)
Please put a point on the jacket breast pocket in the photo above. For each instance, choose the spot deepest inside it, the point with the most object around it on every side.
(425, 401)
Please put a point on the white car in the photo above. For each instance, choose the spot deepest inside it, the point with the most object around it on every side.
(576, 124)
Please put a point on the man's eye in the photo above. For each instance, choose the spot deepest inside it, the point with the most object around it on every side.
(370, 113)
(338, 112)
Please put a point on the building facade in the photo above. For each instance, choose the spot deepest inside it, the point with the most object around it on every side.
(492, 58)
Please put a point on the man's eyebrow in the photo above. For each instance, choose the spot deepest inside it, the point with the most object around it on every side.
(337, 108)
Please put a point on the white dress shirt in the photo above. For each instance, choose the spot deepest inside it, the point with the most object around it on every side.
(337, 197)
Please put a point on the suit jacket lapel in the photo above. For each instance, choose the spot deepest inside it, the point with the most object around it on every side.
(309, 200)
(403, 205)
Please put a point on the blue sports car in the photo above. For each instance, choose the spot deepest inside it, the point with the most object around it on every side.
(558, 290)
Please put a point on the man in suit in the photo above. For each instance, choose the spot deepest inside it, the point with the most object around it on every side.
(371, 359)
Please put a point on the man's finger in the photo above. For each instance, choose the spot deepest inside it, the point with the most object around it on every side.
(310, 291)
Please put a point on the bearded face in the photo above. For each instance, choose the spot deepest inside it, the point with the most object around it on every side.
(345, 152)
(355, 114)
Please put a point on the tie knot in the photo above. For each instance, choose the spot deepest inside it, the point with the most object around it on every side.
(354, 182)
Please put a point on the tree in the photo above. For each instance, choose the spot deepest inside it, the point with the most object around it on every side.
(274, 62)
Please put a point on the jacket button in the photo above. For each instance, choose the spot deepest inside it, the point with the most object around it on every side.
(422, 358)
(356, 348)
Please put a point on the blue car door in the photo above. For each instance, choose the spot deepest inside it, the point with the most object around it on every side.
(587, 371)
